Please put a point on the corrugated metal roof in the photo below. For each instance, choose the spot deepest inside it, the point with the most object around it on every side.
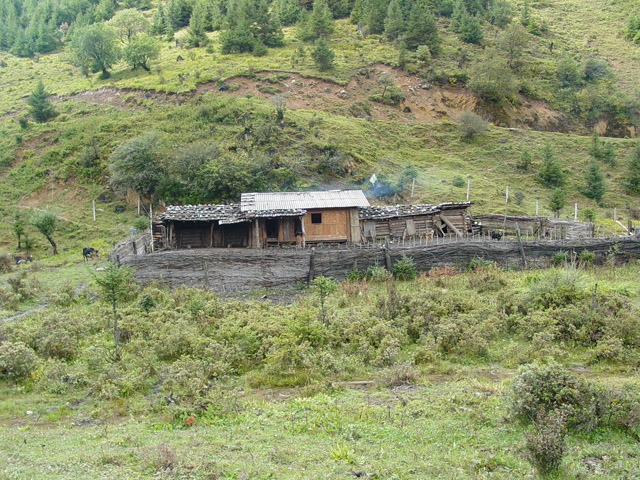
(303, 200)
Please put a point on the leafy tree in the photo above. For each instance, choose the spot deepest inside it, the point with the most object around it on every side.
(140, 50)
(94, 48)
(492, 79)
(105, 10)
(323, 287)
(19, 225)
(322, 55)
(386, 81)
(115, 283)
(470, 125)
(128, 23)
(422, 29)
(135, 165)
(514, 39)
(551, 174)
(469, 30)
(595, 186)
(41, 108)
(632, 181)
(557, 201)
(46, 222)
(394, 23)
(197, 36)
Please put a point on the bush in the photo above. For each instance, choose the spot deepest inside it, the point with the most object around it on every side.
(458, 182)
(545, 445)
(17, 360)
(404, 269)
(376, 273)
(470, 125)
(6, 263)
(558, 258)
(585, 257)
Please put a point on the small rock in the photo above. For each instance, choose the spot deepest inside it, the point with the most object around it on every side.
(503, 140)
(327, 90)
(100, 269)
(118, 209)
(29, 412)
(406, 109)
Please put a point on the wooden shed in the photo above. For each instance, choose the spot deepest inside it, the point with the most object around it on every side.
(321, 216)
(414, 221)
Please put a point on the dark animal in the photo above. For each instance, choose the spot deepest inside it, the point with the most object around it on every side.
(496, 235)
(88, 252)
(22, 259)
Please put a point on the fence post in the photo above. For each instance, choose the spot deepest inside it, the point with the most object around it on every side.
(536, 208)
(387, 255)
(575, 214)
(468, 185)
(311, 266)
(93, 208)
(524, 258)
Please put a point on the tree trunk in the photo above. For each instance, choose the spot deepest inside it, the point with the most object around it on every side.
(19, 243)
(384, 91)
(53, 244)
(145, 68)
(115, 331)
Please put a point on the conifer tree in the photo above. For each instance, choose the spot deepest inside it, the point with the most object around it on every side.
(595, 186)
(394, 23)
(41, 108)
(320, 20)
(422, 29)
(322, 55)
(197, 36)
(159, 21)
(551, 174)
(557, 201)
(470, 31)
(374, 12)
(632, 181)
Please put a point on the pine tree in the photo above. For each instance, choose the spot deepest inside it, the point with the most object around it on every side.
(288, 11)
(322, 55)
(197, 36)
(595, 186)
(41, 108)
(320, 20)
(374, 12)
(551, 174)
(470, 31)
(422, 29)
(557, 201)
(459, 11)
(632, 181)
(159, 21)
(394, 23)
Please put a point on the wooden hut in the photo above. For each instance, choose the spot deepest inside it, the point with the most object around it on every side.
(263, 219)
(321, 216)
(414, 221)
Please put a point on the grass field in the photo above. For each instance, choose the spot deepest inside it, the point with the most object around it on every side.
(333, 405)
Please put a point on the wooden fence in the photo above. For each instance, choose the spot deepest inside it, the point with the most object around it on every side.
(248, 269)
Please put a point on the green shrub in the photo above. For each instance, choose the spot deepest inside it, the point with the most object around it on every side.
(6, 263)
(559, 258)
(470, 125)
(17, 360)
(546, 444)
(458, 182)
(376, 273)
(585, 257)
(404, 269)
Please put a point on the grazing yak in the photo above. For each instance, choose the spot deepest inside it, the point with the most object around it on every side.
(88, 252)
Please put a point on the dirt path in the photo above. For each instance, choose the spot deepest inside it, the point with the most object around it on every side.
(25, 313)
(423, 102)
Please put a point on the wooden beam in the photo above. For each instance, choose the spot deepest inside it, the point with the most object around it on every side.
(451, 225)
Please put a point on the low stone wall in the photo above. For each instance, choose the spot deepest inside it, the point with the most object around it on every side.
(247, 269)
